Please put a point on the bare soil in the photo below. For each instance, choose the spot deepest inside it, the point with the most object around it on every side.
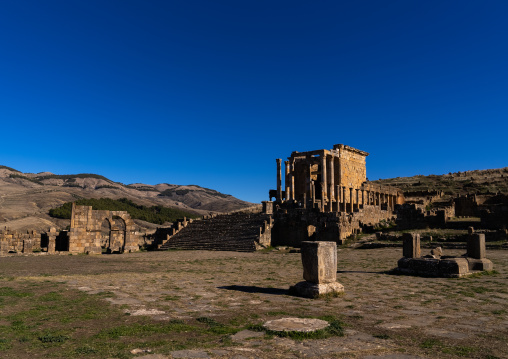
(157, 301)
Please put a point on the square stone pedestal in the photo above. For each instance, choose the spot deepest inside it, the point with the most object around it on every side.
(315, 290)
(319, 261)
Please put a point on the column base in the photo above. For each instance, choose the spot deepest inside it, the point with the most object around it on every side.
(314, 290)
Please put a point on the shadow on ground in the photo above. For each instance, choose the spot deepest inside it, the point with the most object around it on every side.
(254, 289)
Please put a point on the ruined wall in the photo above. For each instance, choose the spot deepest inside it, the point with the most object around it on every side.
(17, 242)
(294, 225)
(86, 232)
(352, 170)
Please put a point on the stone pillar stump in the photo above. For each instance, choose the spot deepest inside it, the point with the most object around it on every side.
(319, 261)
(411, 245)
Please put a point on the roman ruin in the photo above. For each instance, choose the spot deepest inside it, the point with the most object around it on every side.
(437, 265)
(326, 196)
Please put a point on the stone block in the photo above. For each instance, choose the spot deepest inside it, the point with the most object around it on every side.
(319, 261)
(454, 267)
(479, 264)
(4, 247)
(93, 250)
(425, 266)
(476, 245)
(27, 246)
(411, 245)
(315, 290)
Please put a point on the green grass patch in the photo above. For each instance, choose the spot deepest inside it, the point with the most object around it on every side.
(216, 327)
(11, 292)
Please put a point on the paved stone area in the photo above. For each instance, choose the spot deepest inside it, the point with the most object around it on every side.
(386, 316)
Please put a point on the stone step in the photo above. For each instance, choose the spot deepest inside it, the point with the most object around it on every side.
(235, 232)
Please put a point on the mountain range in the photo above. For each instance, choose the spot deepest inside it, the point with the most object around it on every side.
(26, 198)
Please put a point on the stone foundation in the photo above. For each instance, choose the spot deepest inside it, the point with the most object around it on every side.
(435, 265)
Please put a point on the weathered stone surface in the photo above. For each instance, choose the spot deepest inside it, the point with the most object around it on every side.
(246, 334)
(411, 245)
(303, 325)
(483, 264)
(319, 261)
(437, 252)
(315, 290)
(476, 245)
(449, 267)
(91, 230)
(454, 267)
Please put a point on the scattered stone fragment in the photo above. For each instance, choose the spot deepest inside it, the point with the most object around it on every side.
(139, 351)
(437, 252)
(246, 334)
(304, 325)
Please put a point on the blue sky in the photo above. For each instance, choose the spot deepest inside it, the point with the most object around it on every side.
(212, 92)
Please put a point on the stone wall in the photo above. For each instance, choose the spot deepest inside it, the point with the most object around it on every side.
(92, 230)
(17, 242)
(352, 171)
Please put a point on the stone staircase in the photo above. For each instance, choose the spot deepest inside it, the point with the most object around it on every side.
(239, 232)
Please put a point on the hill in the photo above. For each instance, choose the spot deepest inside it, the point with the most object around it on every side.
(451, 185)
(26, 198)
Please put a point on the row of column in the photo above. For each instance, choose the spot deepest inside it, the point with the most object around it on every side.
(335, 193)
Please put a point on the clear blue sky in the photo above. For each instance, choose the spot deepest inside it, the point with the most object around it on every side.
(212, 92)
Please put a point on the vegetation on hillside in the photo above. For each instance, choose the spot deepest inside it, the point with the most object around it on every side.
(68, 177)
(153, 214)
(15, 175)
(453, 184)
(9, 168)
(182, 192)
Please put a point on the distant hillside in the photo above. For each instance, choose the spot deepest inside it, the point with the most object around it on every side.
(26, 198)
(453, 184)
(152, 214)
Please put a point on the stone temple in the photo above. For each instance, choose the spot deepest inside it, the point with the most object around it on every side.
(326, 197)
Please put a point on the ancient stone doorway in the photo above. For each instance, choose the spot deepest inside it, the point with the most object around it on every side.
(112, 235)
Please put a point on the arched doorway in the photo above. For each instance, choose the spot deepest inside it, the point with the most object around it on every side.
(117, 236)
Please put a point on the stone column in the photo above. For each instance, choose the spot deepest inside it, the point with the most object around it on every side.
(319, 261)
(331, 174)
(323, 176)
(379, 199)
(476, 245)
(338, 198)
(363, 198)
(350, 200)
(330, 200)
(344, 197)
(323, 193)
(279, 180)
(357, 199)
(293, 197)
(286, 181)
(411, 245)
(309, 181)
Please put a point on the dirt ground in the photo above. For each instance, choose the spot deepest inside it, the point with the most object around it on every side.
(384, 315)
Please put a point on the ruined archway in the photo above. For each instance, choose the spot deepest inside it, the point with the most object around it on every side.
(101, 231)
(117, 236)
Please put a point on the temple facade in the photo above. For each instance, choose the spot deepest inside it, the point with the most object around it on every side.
(334, 180)
(325, 195)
